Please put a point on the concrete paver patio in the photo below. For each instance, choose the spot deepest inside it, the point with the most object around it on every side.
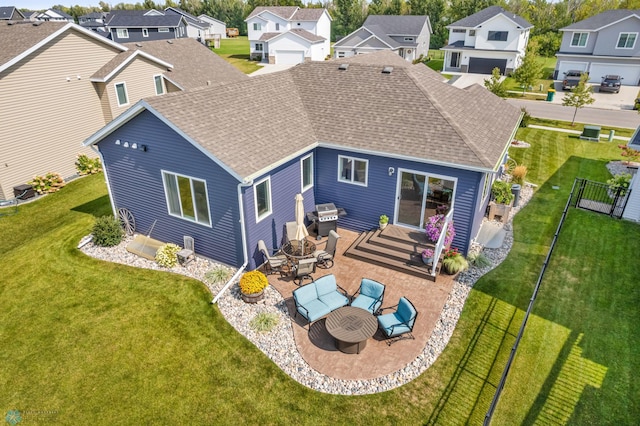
(318, 348)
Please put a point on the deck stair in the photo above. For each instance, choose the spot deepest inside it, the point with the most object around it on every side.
(394, 247)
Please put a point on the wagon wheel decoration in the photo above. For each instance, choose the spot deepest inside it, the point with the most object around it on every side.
(510, 165)
(127, 221)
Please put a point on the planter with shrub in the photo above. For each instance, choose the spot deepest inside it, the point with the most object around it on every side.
(502, 200)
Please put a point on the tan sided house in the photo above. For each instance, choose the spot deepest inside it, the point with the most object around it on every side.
(59, 83)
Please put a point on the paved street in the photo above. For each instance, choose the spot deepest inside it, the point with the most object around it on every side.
(588, 115)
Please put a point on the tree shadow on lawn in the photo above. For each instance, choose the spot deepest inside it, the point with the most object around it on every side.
(97, 207)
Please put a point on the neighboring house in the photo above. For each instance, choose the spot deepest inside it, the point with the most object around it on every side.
(10, 13)
(603, 44)
(196, 28)
(357, 132)
(60, 82)
(288, 34)
(30, 15)
(406, 35)
(95, 21)
(216, 27)
(485, 40)
(54, 15)
(143, 25)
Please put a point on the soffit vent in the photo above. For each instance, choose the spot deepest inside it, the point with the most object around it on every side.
(343, 67)
(387, 70)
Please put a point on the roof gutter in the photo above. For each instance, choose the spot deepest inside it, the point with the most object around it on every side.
(243, 232)
(506, 148)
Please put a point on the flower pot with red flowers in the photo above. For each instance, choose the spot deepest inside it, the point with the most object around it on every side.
(454, 262)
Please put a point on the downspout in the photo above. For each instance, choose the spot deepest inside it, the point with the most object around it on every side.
(245, 251)
(106, 179)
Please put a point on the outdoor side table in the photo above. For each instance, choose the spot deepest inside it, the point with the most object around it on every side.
(351, 327)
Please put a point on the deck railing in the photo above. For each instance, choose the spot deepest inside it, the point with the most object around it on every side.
(440, 244)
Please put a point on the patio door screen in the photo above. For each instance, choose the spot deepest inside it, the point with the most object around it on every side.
(420, 196)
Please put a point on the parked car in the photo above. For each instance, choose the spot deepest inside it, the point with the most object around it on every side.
(571, 79)
(611, 83)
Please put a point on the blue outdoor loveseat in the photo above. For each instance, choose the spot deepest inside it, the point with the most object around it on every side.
(319, 298)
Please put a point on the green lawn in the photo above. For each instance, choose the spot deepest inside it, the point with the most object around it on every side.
(619, 131)
(88, 342)
(548, 65)
(236, 52)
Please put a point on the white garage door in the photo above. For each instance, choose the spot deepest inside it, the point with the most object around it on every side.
(570, 65)
(289, 57)
(630, 73)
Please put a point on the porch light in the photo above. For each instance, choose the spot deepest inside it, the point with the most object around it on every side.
(391, 171)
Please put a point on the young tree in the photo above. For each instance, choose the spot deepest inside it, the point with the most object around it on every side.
(530, 70)
(579, 96)
(495, 85)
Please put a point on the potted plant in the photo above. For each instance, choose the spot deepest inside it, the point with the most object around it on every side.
(427, 256)
(502, 200)
(252, 285)
(434, 227)
(384, 220)
(454, 262)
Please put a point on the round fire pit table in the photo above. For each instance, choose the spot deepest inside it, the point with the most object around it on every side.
(351, 327)
(295, 249)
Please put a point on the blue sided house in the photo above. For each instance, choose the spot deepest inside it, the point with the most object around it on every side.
(372, 134)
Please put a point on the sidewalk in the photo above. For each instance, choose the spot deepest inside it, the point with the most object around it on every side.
(576, 132)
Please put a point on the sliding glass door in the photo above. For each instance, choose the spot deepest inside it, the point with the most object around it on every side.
(420, 196)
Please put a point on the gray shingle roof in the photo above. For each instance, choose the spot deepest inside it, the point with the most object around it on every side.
(311, 14)
(601, 20)
(136, 18)
(6, 12)
(285, 12)
(192, 20)
(110, 66)
(397, 25)
(409, 112)
(380, 33)
(298, 31)
(24, 35)
(194, 66)
(484, 15)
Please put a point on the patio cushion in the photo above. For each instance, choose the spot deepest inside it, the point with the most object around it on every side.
(365, 302)
(316, 309)
(305, 294)
(334, 300)
(371, 288)
(392, 324)
(326, 285)
(405, 310)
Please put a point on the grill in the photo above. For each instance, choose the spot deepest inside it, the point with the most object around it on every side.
(326, 218)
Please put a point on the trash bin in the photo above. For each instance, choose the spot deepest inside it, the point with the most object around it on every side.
(611, 134)
(515, 190)
(550, 94)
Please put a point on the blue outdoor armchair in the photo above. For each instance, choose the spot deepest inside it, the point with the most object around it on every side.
(369, 296)
(400, 322)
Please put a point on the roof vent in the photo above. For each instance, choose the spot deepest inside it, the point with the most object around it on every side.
(387, 70)
(37, 23)
(343, 67)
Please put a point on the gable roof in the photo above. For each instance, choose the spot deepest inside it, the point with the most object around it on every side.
(398, 25)
(194, 66)
(602, 20)
(484, 15)
(289, 13)
(208, 18)
(115, 65)
(6, 12)
(23, 38)
(141, 18)
(408, 113)
(192, 20)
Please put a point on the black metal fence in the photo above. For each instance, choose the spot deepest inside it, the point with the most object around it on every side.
(599, 197)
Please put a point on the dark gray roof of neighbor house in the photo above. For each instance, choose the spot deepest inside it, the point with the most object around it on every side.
(24, 35)
(63, 14)
(484, 15)
(397, 25)
(194, 65)
(94, 15)
(6, 12)
(601, 20)
(285, 12)
(409, 112)
(137, 18)
(192, 20)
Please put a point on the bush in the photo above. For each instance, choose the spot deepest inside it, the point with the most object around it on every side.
(264, 322)
(479, 260)
(501, 192)
(621, 181)
(88, 166)
(518, 174)
(253, 282)
(454, 262)
(217, 275)
(526, 117)
(107, 231)
(166, 255)
(51, 182)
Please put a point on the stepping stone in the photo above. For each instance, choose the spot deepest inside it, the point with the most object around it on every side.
(491, 235)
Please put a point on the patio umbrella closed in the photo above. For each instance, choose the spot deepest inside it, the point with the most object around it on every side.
(301, 230)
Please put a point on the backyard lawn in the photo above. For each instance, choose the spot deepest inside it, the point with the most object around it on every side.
(88, 342)
(236, 52)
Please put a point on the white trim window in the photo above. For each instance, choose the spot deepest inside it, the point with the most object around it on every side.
(121, 94)
(157, 79)
(579, 39)
(163, 30)
(306, 171)
(408, 39)
(626, 40)
(122, 32)
(145, 32)
(259, 47)
(257, 26)
(186, 197)
(472, 33)
(498, 35)
(277, 26)
(262, 198)
(353, 170)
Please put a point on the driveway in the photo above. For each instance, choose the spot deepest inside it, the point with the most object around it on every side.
(465, 80)
(269, 68)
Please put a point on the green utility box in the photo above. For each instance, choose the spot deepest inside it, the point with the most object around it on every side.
(591, 133)
(550, 94)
